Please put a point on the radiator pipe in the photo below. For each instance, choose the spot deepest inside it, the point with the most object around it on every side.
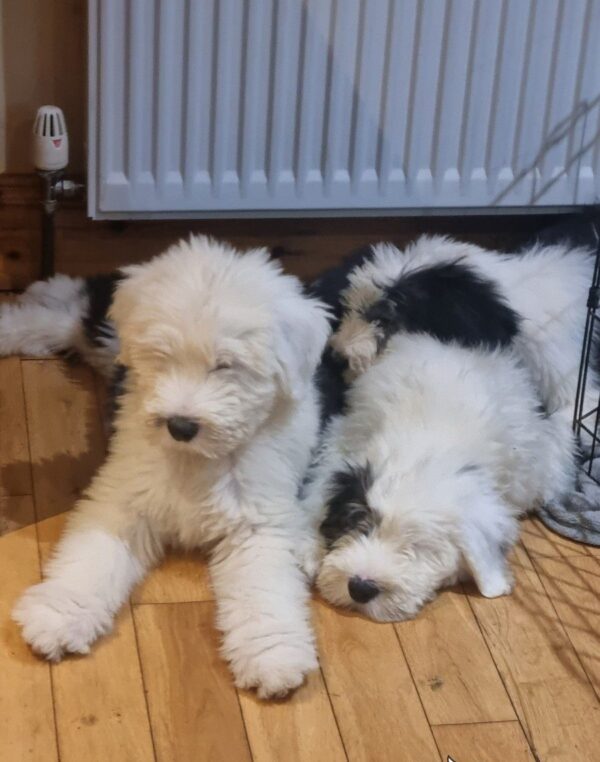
(54, 187)
(49, 180)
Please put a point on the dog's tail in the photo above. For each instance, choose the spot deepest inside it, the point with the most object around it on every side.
(45, 319)
(60, 316)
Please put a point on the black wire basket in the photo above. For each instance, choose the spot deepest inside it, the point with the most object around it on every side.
(586, 417)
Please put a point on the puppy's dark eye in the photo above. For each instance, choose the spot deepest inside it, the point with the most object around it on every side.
(224, 365)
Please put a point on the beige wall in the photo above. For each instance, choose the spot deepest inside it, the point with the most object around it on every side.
(42, 61)
(2, 99)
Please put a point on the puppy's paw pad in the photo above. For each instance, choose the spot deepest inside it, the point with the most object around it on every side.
(277, 672)
(280, 686)
(497, 586)
(274, 685)
(56, 620)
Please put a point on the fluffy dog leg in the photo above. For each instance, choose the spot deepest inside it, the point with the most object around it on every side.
(87, 580)
(263, 612)
(487, 532)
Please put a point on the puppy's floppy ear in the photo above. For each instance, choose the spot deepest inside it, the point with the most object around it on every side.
(122, 307)
(123, 300)
(486, 534)
(301, 332)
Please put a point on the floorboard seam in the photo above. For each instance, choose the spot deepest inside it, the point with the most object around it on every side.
(39, 552)
(143, 679)
(333, 712)
(525, 731)
(414, 682)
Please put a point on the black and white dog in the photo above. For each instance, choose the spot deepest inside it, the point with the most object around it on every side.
(450, 378)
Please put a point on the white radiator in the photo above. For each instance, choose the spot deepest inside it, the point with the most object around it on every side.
(207, 107)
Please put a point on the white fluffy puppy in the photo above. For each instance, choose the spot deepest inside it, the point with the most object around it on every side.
(213, 435)
(423, 479)
(546, 286)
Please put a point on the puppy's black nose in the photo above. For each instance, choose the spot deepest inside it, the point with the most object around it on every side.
(362, 590)
(182, 429)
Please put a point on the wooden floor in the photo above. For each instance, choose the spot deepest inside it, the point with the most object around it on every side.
(506, 680)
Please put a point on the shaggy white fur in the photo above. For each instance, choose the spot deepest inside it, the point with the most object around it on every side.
(219, 416)
(455, 451)
(212, 440)
(444, 447)
(546, 286)
(49, 318)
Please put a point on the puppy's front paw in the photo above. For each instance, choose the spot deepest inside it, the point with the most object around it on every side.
(56, 620)
(275, 671)
(496, 585)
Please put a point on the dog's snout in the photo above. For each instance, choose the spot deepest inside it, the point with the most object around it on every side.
(362, 590)
(182, 429)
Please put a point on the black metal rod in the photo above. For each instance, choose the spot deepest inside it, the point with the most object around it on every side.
(581, 416)
(47, 242)
(50, 190)
(588, 337)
